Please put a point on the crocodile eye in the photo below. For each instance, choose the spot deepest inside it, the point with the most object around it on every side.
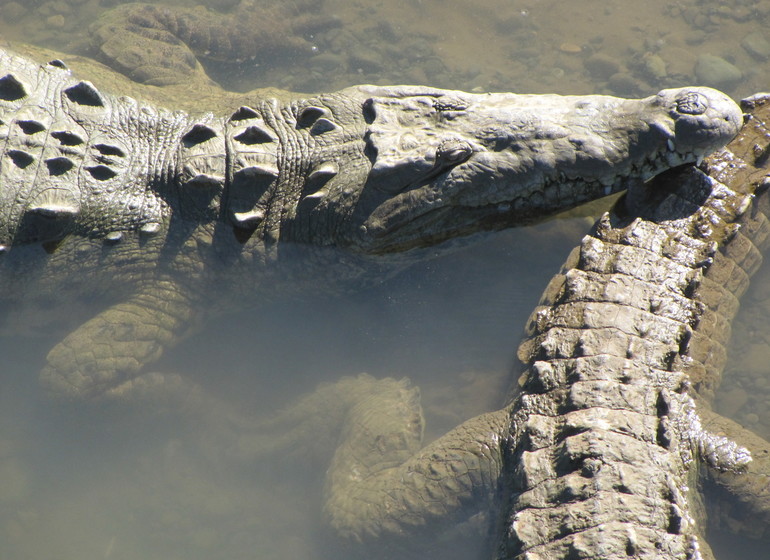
(452, 153)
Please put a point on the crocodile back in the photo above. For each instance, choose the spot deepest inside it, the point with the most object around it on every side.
(87, 180)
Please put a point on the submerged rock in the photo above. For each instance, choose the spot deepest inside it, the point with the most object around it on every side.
(756, 45)
(715, 71)
(602, 66)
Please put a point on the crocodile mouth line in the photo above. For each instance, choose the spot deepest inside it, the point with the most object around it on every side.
(431, 211)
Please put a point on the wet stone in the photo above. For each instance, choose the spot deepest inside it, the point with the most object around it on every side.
(13, 11)
(624, 83)
(654, 66)
(367, 61)
(716, 72)
(602, 66)
(695, 37)
(327, 61)
(56, 21)
(756, 45)
(54, 8)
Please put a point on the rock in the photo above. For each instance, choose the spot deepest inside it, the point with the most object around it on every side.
(570, 48)
(741, 14)
(328, 61)
(366, 60)
(13, 11)
(695, 37)
(56, 21)
(601, 66)
(715, 71)
(654, 66)
(624, 83)
(756, 45)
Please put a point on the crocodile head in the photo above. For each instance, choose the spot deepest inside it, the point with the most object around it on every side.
(448, 163)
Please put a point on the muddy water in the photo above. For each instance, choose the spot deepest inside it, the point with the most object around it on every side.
(105, 481)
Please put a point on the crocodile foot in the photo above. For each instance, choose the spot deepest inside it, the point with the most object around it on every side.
(381, 481)
(742, 501)
(105, 354)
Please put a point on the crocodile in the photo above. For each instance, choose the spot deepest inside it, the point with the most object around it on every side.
(598, 450)
(167, 210)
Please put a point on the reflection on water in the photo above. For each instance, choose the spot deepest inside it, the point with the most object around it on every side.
(95, 481)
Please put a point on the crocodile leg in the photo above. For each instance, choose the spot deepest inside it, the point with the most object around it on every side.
(374, 493)
(109, 350)
(742, 502)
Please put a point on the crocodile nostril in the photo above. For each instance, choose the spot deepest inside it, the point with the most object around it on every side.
(691, 103)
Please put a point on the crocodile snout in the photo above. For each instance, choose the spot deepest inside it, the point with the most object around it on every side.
(705, 119)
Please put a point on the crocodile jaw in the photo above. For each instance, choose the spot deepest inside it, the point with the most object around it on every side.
(527, 157)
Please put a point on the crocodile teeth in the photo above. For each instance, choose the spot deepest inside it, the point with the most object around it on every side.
(699, 159)
(250, 219)
(673, 159)
(113, 237)
(670, 144)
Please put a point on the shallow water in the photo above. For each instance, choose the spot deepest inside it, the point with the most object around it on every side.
(103, 481)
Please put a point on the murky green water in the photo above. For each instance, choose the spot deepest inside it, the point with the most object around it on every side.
(104, 481)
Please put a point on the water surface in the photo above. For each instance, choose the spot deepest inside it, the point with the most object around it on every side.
(92, 481)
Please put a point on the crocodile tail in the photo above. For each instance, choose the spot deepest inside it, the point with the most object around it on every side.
(634, 325)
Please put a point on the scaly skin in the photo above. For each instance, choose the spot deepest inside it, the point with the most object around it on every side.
(164, 211)
(596, 455)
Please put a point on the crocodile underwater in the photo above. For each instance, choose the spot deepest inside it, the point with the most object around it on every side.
(607, 436)
(172, 212)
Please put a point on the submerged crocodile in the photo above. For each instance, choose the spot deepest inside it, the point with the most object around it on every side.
(597, 452)
(167, 210)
